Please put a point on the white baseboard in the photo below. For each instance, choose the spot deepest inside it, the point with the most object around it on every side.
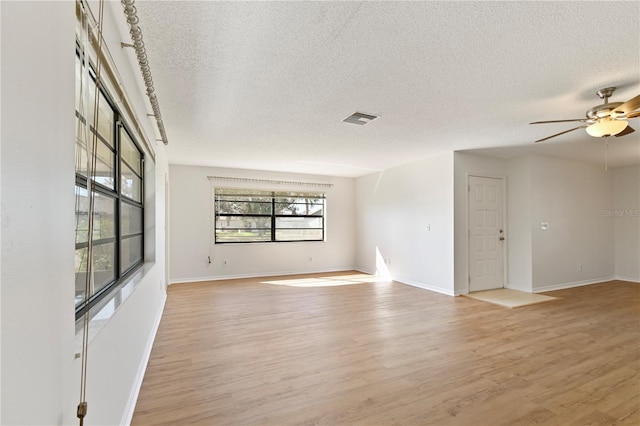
(562, 286)
(127, 416)
(417, 284)
(424, 286)
(629, 279)
(256, 275)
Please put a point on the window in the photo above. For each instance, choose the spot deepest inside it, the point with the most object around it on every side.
(117, 195)
(253, 216)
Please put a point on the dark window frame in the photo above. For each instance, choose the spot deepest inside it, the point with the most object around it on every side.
(115, 194)
(272, 217)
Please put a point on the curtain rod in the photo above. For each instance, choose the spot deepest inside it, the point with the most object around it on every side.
(269, 181)
(120, 96)
(141, 53)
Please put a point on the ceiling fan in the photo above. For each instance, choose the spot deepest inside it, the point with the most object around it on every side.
(607, 119)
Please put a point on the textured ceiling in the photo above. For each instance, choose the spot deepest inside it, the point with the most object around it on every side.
(265, 85)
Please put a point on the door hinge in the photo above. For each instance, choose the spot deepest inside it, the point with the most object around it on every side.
(469, 279)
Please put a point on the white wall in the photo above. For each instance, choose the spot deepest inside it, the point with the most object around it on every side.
(466, 165)
(191, 230)
(519, 244)
(406, 215)
(40, 375)
(626, 219)
(578, 247)
(37, 178)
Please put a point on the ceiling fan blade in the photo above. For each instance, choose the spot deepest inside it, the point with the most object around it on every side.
(561, 121)
(561, 133)
(633, 114)
(628, 107)
(626, 131)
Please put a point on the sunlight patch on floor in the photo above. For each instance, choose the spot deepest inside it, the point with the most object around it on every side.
(330, 281)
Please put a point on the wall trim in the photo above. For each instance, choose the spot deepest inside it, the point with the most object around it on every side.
(562, 286)
(258, 275)
(628, 279)
(424, 286)
(127, 416)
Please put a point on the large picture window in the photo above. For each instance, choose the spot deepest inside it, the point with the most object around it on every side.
(254, 216)
(117, 193)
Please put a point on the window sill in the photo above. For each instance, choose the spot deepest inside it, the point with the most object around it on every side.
(101, 313)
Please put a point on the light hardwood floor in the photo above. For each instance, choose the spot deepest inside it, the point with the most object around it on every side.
(245, 352)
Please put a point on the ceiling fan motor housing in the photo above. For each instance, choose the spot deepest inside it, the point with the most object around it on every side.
(603, 110)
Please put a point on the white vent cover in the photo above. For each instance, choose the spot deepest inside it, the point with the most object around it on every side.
(360, 118)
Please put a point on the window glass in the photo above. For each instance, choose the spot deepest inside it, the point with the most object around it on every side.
(130, 252)
(104, 269)
(103, 214)
(129, 153)
(298, 234)
(298, 228)
(130, 184)
(105, 166)
(105, 158)
(106, 120)
(305, 207)
(130, 219)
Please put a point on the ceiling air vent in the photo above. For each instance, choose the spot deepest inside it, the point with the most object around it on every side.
(360, 118)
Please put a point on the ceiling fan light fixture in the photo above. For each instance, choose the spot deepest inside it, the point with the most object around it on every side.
(606, 127)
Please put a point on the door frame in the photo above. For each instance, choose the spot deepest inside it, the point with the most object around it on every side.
(505, 225)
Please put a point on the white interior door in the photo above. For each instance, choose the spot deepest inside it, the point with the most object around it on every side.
(486, 233)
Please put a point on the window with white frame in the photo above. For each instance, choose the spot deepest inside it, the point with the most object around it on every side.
(257, 216)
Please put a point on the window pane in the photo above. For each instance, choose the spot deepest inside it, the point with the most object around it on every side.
(130, 252)
(243, 228)
(130, 184)
(78, 81)
(299, 235)
(298, 222)
(105, 120)
(239, 206)
(246, 235)
(298, 228)
(105, 159)
(103, 216)
(104, 269)
(309, 207)
(130, 219)
(129, 152)
(84, 94)
(81, 149)
(105, 166)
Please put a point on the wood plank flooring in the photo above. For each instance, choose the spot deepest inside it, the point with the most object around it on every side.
(245, 352)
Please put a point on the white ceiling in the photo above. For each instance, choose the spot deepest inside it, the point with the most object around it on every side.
(265, 85)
